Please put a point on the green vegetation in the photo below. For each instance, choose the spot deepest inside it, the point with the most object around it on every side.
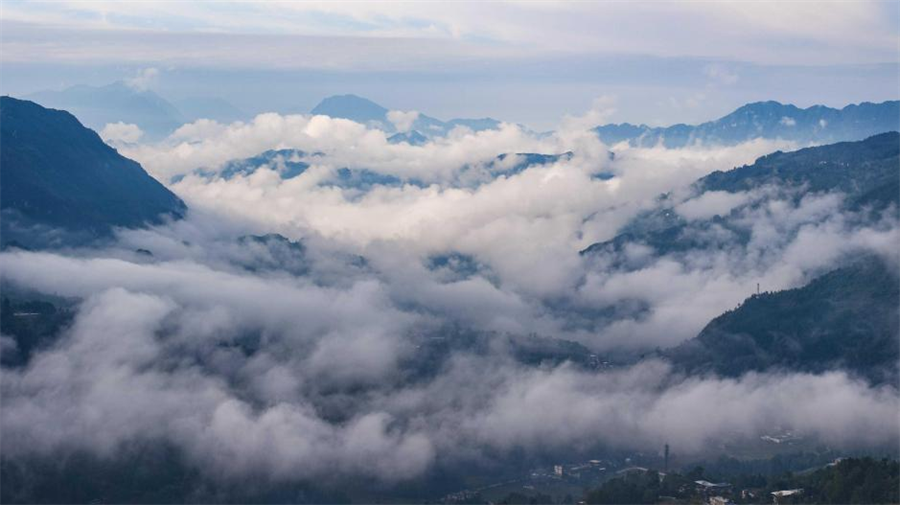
(847, 319)
(865, 172)
(640, 487)
(853, 481)
(861, 170)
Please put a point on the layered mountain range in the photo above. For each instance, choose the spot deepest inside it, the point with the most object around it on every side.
(97, 106)
(62, 185)
(367, 112)
(770, 120)
(847, 318)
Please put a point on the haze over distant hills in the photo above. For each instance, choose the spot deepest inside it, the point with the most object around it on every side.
(209, 107)
(769, 120)
(367, 112)
(60, 181)
(97, 106)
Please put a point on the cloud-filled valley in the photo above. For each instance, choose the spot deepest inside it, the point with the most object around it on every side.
(498, 253)
(361, 309)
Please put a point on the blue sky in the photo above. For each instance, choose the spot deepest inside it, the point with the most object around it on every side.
(659, 62)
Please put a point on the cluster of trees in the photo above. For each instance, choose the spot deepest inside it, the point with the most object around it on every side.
(644, 487)
(853, 481)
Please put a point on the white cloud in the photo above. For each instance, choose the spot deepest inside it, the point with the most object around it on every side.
(711, 203)
(144, 79)
(121, 133)
(788, 121)
(602, 108)
(134, 368)
(402, 121)
(219, 346)
(721, 74)
(850, 32)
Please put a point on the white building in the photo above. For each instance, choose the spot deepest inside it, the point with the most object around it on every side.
(778, 496)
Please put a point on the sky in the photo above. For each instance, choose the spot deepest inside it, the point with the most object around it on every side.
(659, 62)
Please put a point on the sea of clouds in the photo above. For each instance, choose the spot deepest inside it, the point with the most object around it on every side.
(259, 360)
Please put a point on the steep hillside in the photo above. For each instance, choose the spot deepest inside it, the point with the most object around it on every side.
(58, 176)
(847, 319)
(864, 171)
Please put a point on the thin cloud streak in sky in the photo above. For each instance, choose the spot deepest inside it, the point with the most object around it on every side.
(844, 32)
(285, 56)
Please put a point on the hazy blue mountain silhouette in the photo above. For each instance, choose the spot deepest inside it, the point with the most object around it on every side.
(522, 161)
(60, 182)
(413, 138)
(479, 124)
(290, 163)
(367, 112)
(769, 120)
(352, 107)
(287, 162)
(97, 106)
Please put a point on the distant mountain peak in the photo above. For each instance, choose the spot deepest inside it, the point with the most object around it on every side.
(365, 111)
(412, 137)
(353, 107)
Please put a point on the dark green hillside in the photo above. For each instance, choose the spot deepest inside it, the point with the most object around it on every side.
(847, 319)
(867, 172)
(57, 174)
(859, 169)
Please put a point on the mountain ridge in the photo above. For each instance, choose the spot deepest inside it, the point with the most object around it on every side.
(765, 119)
(865, 171)
(367, 112)
(58, 175)
(846, 319)
(97, 106)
